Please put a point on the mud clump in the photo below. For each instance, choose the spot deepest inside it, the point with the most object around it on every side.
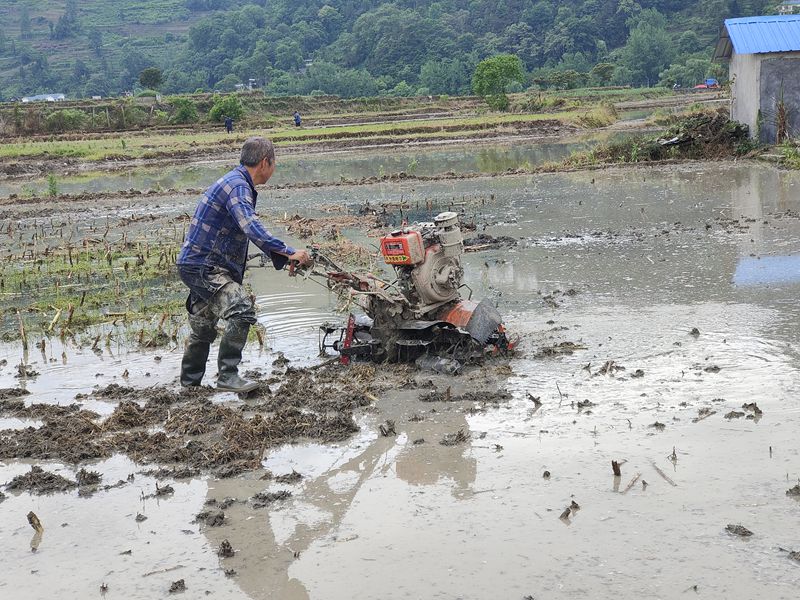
(15, 407)
(734, 414)
(177, 586)
(753, 408)
(213, 517)
(198, 418)
(387, 428)
(484, 241)
(292, 477)
(10, 393)
(161, 491)
(38, 481)
(485, 396)
(127, 415)
(263, 499)
(739, 530)
(225, 550)
(795, 491)
(115, 391)
(454, 439)
(179, 473)
(199, 434)
(561, 349)
(84, 477)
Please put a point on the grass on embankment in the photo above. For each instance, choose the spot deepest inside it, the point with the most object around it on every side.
(217, 142)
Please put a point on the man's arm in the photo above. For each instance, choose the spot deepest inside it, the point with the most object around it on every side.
(240, 206)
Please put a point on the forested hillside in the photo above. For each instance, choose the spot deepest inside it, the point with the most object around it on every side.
(353, 47)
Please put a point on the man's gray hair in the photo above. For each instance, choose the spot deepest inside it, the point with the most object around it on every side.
(255, 150)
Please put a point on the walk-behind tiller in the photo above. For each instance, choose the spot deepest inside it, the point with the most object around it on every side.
(421, 312)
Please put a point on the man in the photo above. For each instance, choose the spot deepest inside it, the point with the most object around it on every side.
(229, 124)
(297, 120)
(212, 262)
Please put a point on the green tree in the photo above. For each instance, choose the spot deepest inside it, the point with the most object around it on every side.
(227, 106)
(445, 76)
(691, 72)
(25, 22)
(68, 24)
(95, 37)
(97, 85)
(80, 72)
(151, 78)
(402, 89)
(492, 75)
(227, 83)
(602, 72)
(649, 49)
(288, 56)
(331, 19)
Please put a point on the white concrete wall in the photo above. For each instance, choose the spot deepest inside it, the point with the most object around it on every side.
(749, 93)
(745, 73)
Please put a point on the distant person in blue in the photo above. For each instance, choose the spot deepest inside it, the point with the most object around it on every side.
(212, 262)
(296, 119)
(228, 124)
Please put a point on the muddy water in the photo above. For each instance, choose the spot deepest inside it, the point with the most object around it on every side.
(328, 167)
(651, 254)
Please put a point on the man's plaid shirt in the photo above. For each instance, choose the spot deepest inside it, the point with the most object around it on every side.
(223, 223)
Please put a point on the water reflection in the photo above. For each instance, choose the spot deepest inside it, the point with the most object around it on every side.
(327, 168)
(766, 270)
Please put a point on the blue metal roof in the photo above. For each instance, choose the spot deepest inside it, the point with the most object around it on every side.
(756, 35)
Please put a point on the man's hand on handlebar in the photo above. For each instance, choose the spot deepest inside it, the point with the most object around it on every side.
(302, 257)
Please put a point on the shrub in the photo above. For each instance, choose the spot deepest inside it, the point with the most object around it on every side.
(601, 116)
(126, 115)
(52, 185)
(185, 111)
(227, 106)
(68, 119)
(498, 101)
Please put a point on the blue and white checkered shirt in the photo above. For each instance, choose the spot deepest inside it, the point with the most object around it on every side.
(223, 224)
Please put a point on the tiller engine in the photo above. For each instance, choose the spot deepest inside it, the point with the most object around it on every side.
(420, 313)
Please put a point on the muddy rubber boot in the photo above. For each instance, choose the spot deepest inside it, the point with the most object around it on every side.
(230, 355)
(193, 366)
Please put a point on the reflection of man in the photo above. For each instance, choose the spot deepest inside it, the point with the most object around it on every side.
(212, 262)
(431, 464)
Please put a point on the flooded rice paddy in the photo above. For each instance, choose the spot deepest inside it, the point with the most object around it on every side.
(329, 167)
(652, 304)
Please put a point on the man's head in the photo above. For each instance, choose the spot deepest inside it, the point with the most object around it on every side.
(258, 157)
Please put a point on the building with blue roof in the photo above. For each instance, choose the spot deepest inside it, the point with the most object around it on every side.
(764, 66)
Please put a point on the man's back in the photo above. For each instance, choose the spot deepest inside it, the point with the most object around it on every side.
(215, 237)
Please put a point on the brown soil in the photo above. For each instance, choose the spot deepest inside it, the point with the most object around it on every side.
(484, 241)
(197, 433)
(39, 481)
(494, 397)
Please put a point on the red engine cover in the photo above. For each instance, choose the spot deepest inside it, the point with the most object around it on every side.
(403, 248)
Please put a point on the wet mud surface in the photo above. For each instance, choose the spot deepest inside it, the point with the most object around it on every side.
(658, 333)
